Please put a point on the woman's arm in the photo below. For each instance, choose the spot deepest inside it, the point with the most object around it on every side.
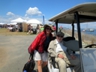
(34, 44)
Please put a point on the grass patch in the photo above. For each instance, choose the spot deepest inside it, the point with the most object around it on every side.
(5, 31)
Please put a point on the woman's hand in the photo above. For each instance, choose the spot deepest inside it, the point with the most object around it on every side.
(60, 56)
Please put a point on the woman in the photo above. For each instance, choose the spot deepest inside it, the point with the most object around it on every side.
(39, 47)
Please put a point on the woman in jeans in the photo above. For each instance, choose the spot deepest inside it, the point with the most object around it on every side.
(39, 47)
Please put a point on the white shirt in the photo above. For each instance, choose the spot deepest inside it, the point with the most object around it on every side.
(60, 46)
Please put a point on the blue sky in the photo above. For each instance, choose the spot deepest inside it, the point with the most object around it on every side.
(29, 9)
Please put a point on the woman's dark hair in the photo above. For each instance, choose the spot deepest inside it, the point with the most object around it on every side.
(47, 26)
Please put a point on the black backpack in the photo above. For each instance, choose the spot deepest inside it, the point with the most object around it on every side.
(29, 66)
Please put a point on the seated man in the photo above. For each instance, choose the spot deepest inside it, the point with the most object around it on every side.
(63, 56)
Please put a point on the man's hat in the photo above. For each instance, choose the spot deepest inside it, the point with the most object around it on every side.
(60, 34)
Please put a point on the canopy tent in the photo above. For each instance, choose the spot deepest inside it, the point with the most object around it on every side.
(13, 23)
(18, 20)
(33, 22)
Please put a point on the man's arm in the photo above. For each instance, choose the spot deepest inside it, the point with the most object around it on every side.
(51, 49)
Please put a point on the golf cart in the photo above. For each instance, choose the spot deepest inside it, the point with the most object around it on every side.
(79, 14)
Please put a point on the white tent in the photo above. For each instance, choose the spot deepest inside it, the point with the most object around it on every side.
(18, 20)
(33, 22)
(13, 23)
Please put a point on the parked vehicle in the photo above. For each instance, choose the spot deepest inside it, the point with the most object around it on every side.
(77, 15)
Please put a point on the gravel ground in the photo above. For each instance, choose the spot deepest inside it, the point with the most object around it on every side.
(14, 52)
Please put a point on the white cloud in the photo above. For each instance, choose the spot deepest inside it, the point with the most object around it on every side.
(30, 14)
(7, 19)
(4, 19)
(10, 14)
(33, 11)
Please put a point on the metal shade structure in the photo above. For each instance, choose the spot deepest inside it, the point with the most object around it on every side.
(84, 10)
(79, 14)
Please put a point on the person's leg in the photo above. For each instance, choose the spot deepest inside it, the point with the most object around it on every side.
(44, 58)
(73, 62)
(61, 64)
(44, 64)
(37, 58)
(39, 66)
(45, 67)
(45, 61)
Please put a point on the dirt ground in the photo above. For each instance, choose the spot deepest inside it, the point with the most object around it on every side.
(14, 52)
